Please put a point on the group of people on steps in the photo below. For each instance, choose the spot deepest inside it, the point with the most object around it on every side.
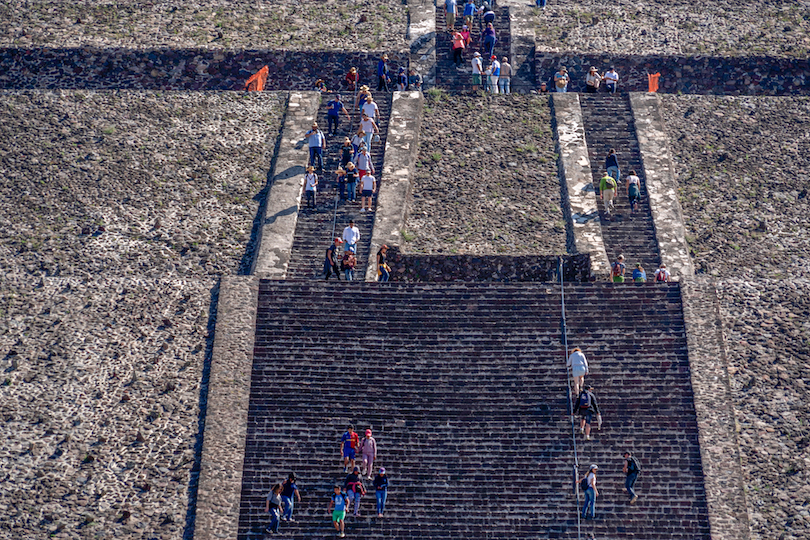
(586, 407)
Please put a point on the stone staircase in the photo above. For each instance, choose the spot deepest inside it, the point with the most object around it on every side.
(465, 388)
(455, 80)
(608, 121)
(314, 230)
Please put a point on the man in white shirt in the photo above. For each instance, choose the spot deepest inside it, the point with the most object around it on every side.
(611, 80)
(369, 187)
(477, 70)
(351, 235)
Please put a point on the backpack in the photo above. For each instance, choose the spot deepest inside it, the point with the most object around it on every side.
(617, 270)
(584, 401)
(660, 276)
(611, 183)
(633, 466)
(583, 484)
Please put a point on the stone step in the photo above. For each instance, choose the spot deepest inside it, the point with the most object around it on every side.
(461, 397)
(316, 228)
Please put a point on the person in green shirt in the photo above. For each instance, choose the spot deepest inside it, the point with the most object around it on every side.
(607, 192)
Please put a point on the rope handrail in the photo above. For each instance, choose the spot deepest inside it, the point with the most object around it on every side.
(564, 331)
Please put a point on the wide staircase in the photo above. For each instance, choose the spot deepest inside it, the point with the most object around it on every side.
(458, 80)
(317, 228)
(608, 122)
(465, 388)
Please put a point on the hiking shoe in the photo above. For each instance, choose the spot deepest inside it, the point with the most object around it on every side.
(587, 437)
(342, 535)
(634, 499)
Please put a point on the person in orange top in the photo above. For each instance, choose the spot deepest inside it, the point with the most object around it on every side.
(458, 47)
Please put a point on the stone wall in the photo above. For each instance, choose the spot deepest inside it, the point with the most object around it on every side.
(497, 268)
(688, 75)
(183, 69)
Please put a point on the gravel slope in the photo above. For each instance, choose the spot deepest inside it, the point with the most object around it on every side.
(768, 343)
(743, 165)
(212, 24)
(669, 27)
(486, 178)
(170, 177)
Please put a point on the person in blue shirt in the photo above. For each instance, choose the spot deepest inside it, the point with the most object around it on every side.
(316, 143)
(639, 275)
(350, 440)
(333, 108)
(289, 492)
(337, 506)
(383, 74)
(469, 12)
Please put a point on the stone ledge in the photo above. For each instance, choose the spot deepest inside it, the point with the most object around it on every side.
(719, 445)
(422, 39)
(662, 186)
(284, 196)
(401, 149)
(225, 432)
(578, 194)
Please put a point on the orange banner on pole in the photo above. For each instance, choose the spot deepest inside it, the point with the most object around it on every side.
(256, 82)
(652, 80)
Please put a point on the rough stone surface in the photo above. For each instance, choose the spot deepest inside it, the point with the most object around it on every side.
(217, 511)
(578, 195)
(662, 187)
(401, 149)
(683, 74)
(132, 183)
(284, 196)
(422, 39)
(742, 165)
(183, 69)
(214, 24)
(496, 268)
(100, 402)
(486, 180)
(668, 27)
(719, 445)
(768, 344)
(521, 44)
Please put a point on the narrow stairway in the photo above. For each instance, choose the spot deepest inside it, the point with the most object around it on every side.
(464, 387)
(317, 228)
(608, 122)
(459, 80)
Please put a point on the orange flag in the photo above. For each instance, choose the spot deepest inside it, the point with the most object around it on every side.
(256, 82)
(652, 80)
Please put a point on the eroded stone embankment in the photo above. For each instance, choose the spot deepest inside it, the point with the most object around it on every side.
(132, 183)
(214, 24)
(768, 344)
(486, 178)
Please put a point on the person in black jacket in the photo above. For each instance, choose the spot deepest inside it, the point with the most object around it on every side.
(631, 469)
(381, 491)
(330, 262)
(587, 407)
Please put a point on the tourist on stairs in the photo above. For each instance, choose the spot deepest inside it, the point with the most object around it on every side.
(338, 505)
(289, 491)
(381, 491)
(631, 469)
(587, 407)
(591, 493)
(578, 365)
(330, 262)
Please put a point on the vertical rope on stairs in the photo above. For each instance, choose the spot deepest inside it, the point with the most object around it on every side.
(564, 332)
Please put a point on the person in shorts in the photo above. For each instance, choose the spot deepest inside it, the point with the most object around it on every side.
(337, 506)
(369, 188)
(348, 443)
(587, 407)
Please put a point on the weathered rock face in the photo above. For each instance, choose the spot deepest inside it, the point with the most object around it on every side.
(99, 399)
(486, 178)
(239, 24)
(184, 69)
(768, 345)
(669, 27)
(742, 165)
(123, 183)
(496, 268)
